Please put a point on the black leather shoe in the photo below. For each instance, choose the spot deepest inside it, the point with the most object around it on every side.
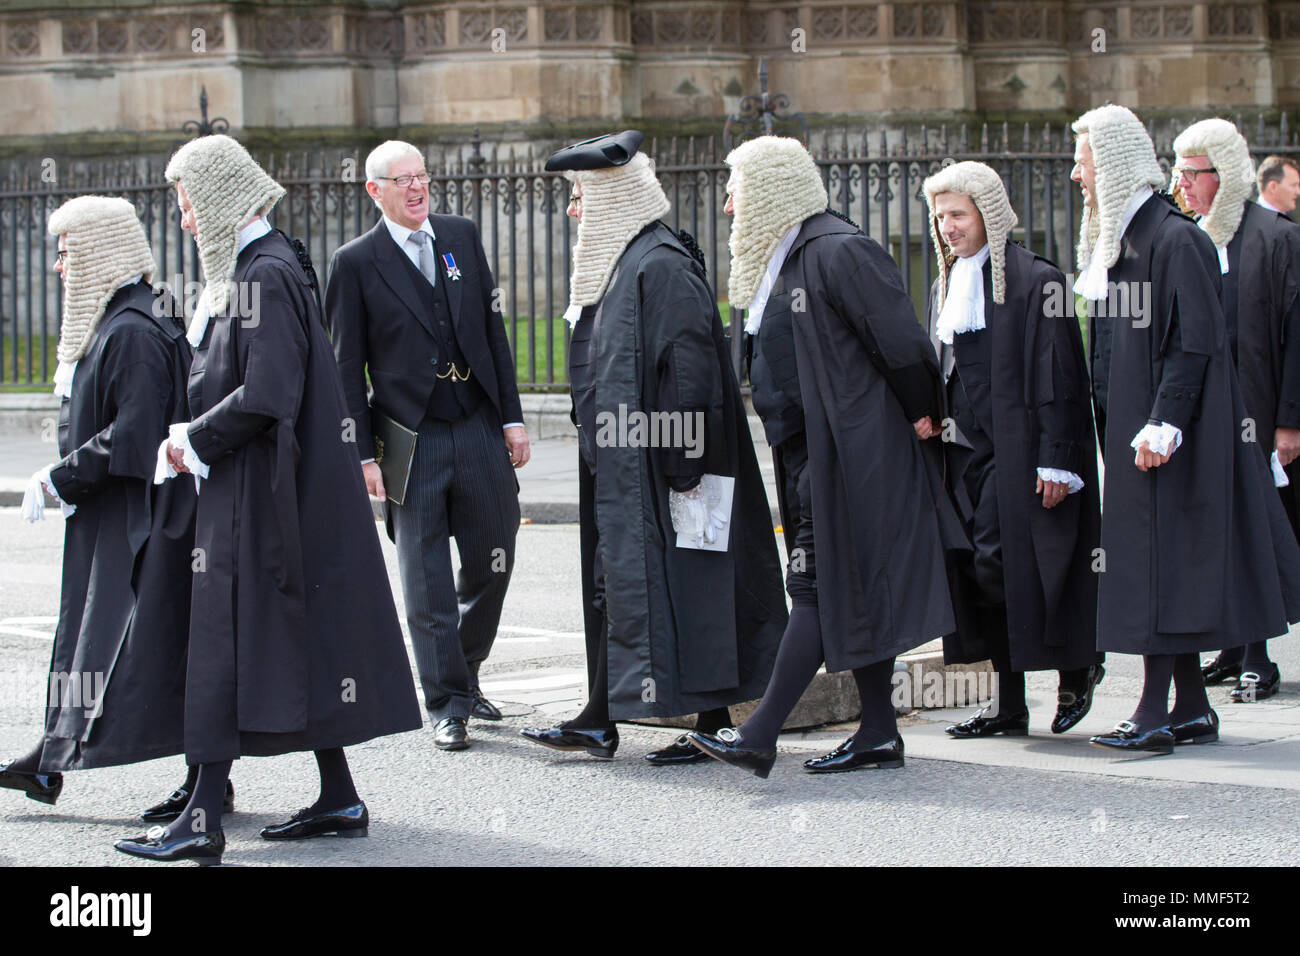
(887, 756)
(1009, 725)
(1201, 730)
(1126, 736)
(203, 848)
(598, 743)
(483, 708)
(1072, 707)
(1216, 672)
(679, 751)
(353, 821)
(450, 734)
(728, 745)
(41, 787)
(1250, 688)
(171, 808)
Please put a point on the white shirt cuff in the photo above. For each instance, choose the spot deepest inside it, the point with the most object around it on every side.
(1163, 439)
(1072, 481)
(33, 506)
(178, 435)
(1280, 478)
(512, 425)
(366, 461)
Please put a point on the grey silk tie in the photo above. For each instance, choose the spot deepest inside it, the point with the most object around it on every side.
(428, 265)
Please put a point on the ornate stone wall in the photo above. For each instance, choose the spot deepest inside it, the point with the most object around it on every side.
(523, 68)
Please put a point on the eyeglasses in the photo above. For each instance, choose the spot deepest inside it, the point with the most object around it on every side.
(575, 201)
(403, 181)
(1190, 173)
(62, 255)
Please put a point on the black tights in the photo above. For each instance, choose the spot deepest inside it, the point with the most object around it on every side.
(207, 783)
(1252, 657)
(1190, 701)
(797, 660)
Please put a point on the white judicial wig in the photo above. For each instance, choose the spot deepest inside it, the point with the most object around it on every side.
(227, 188)
(106, 247)
(774, 185)
(985, 188)
(1226, 149)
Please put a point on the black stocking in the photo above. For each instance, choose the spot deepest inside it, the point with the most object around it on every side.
(879, 721)
(1256, 659)
(1190, 700)
(336, 787)
(203, 812)
(595, 716)
(1153, 709)
(797, 660)
(711, 721)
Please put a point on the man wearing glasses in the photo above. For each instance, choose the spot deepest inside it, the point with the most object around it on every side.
(410, 305)
(1214, 178)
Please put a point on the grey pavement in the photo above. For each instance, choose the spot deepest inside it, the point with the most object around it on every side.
(1034, 800)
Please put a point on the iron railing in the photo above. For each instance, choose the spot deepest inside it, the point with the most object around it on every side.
(873, 177)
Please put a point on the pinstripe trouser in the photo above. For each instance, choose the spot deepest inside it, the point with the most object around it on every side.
(461, 486)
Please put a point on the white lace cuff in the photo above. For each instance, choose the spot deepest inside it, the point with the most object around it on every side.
(1163, 439)
(1280, 477)
(1072, 481)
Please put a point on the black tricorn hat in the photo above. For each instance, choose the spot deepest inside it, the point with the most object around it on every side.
(603, 152)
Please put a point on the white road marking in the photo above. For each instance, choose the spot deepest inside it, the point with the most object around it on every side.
(552, 681)
(26, 632)
(538, 631)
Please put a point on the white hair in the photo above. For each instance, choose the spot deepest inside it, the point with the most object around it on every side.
(382, 157)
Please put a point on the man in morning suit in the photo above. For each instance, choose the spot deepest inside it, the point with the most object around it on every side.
(410, 305)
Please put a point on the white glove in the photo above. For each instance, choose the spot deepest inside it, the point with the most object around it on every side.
(33, 508)
(689, 513)
(1280, 477)
(717, 521)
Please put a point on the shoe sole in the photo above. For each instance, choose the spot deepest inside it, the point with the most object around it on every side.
(42, 798)
(594, 751)
(882, 765)
(1202, 739)
(1153, 751)
(760, 772)
(996, 733)
(355, 833)
(460, 746)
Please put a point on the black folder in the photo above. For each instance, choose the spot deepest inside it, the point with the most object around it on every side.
(394, 451)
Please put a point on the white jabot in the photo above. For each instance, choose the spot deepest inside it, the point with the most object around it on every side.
(1267, 205)
(256, 229)
(401, 235)
(754, 318)
(64, 374)
(963, 308)
(1222, 250)
(1092, 282)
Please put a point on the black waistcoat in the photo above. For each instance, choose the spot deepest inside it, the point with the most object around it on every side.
(1229, 291)
(970, 392)
(449, 401)
(774, 375)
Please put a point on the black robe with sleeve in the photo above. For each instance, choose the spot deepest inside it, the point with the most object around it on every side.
(689, 630)
(125, 601)
(1198, 553)
(1042, 418)
(866, 371)
(294, 638)
(1264, 269)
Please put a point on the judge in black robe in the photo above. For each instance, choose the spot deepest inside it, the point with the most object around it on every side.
(1194, 540)
(294, 638)
(670, 629)
(1260, 294)
(117, 672)
(1017, 406)
(846, 381)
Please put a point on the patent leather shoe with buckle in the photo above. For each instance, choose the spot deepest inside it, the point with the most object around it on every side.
(602, 742)
(728, 745)
(1200, 730)
(41, 787)
(1009, 725)
(1072, 707)
(679, 751)
(1251, 687)
(1214, 671)
(450, 733)
(171, 808)
(205, 849)
(1126, 736)
(887, 756)
(353, 821)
